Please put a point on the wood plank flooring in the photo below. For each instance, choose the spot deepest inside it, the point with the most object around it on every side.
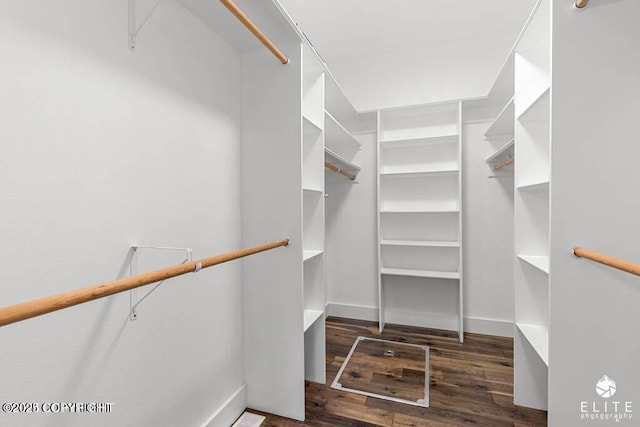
(470, 383)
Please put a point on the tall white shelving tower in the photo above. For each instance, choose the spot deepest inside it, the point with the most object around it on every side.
(420, 208)
(531, 210)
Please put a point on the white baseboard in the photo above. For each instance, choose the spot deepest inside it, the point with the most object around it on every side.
(230, 410)
(497, 327)
(349, 311)
(475, 325)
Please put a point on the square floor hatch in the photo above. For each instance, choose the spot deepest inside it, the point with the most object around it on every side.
(387, 370)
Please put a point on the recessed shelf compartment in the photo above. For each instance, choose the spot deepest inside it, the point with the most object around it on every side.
(503, 125)
(418, 211)
(311, 317)
(420, 273)
(337, 138)
(538, 338)
(539, 262)
(425, 243)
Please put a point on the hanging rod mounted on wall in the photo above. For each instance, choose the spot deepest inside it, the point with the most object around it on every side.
(581, 3)
(607, 260)
(340, 171)
(27, 310)
(242, 17)
(504, 164)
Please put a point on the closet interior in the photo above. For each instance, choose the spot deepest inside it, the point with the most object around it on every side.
(219, 125)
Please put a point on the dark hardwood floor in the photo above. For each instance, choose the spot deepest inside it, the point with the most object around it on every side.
(470, 383)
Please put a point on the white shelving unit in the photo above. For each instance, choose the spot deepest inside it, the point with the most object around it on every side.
(500, 135)
(419, 203)
(531, 210)
(314, 286)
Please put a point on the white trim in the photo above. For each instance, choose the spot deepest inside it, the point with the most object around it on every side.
(474, 325)
(230, 410)
(350, 311)
(426, 104)
(496, 327)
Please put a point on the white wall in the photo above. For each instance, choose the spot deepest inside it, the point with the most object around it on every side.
(594, 316)
(351, 240)
(103, 148)
(457, 70)
(488, 239)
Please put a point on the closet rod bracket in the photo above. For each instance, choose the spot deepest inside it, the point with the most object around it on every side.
(133, 26)
(133, 270)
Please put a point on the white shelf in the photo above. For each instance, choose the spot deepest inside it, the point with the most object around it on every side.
(539, 107)
(309, 126)
(503, 125)
(414, 142)
(307, 255)
(332, 157)
(418, 174)
(421, 273)
(539, 262)
(534, 186)
(420, 243)
(336, 136)
(313, 190)
(507, 148)
(310, 317)
(418, 211)
(538, 337)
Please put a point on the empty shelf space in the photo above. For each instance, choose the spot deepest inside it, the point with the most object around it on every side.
(539, 262)
(538, 109)
(504, 122)
(538, 337)
(336, 136)
(310, 317)
(309, 126)
(307, 254)
(503, 151)
(534, 186)
(420, 273)
(417, 174)
(413, 142)
(422, 243)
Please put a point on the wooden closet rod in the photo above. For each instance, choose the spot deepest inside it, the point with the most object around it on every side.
(242, 17)
(504, 164)
(340, 171)
(607, 260)
(581, 3)
(27, 310)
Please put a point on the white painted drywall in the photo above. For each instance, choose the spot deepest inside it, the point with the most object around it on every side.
(351, 240)
(594, 316)
(488, 239)
(450, 71)
(103, 148)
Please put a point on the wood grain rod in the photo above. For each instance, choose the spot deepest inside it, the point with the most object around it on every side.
(504, 164)
(581, 3)
(27, 310)
(340, 171)
(607, 260)
(242, 17)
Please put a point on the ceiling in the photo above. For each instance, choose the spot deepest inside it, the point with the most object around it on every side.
(342, 29)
